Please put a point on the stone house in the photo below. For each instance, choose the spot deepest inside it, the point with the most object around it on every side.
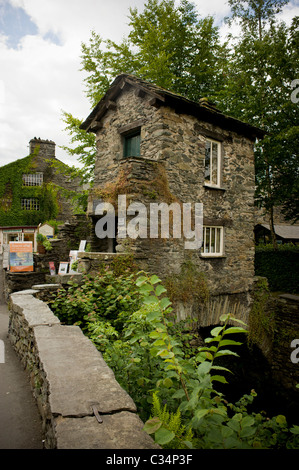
(31, 192)
(155, 146)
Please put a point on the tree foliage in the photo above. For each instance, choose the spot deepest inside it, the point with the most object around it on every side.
(249, 77)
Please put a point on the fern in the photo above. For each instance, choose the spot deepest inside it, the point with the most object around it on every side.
(171, 433)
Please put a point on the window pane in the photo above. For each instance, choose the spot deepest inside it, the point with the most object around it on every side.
(207, 240)
(208, 162)
(212, 241)
(34, 179)
(132, 146)
(214, 163)
(31, 204)
(213, 237)
(218, 241)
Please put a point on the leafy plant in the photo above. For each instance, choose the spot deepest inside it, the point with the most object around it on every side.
(42, 239)
(129, 319)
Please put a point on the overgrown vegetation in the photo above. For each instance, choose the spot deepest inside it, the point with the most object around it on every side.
(12, 191)
(189, 284)
(174, 385)
(280, 266)
(260, 325)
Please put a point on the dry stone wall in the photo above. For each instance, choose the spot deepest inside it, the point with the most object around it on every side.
(81, 404)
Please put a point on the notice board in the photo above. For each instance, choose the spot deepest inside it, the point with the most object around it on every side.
(20, 257)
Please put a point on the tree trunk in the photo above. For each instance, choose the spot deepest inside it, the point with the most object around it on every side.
(272, 230)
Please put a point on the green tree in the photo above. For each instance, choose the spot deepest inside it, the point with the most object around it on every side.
(258, 90)
(168, 45)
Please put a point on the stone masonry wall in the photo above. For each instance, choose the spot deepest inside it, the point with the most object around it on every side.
(81, 404)
(285, 311)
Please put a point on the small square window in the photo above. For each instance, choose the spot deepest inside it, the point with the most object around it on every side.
(212, 163)
(132, 145)
(212, 241)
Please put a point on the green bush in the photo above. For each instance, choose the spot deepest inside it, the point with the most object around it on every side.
(280, 267)
(127, 317)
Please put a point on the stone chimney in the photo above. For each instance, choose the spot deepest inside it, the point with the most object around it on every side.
(46, 147)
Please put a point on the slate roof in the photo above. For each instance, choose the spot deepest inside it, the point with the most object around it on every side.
(290, 232)
(202, 109)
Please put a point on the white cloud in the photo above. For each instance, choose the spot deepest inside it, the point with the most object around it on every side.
(41, 78)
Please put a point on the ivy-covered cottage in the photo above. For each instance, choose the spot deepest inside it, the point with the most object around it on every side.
(31, 192)
(155, 146)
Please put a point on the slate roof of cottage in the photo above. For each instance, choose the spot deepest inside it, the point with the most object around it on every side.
(290, 232)
(202, 109)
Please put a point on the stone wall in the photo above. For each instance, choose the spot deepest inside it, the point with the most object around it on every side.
(81, 404)
(285, 311)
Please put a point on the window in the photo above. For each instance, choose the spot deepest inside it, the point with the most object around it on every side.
(212, 163)
(212, 241)
(31, 204)
(34, 179)
(132, 144)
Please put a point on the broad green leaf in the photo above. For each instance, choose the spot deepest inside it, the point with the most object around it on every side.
(154, 334)
(199, 414)
(160, 290)
(152, 425)
(154, 279)
(167, 382)
(234, 329)
(225, 352)
(188, 444)
(163, 436)
(165, 302)
(159, 342)
(229, 342)
(146, 288)
(165, 354)
(295, 429)
(219, 378)
(216, 331)
(221, 368)
(151, 299)
(204, 368)
(211, 340)
(247, 421)
(247, 431)
(179, 394)
(281, 420)
(211, 348)
(153, 315)
(141, 280)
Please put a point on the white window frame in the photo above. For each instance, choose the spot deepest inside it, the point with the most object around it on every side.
(207, 247)
(30, 204)
(33, 179)
(209, 182)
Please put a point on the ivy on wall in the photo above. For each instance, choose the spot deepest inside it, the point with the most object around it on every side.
(12, 191)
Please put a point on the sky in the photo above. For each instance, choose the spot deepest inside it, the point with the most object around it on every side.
(40, 77)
